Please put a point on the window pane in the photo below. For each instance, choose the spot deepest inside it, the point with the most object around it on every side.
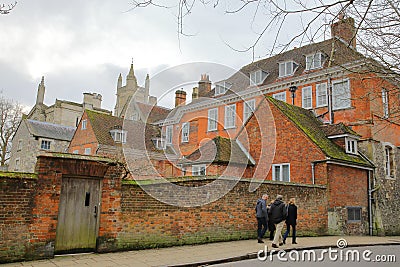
(282, 69)
(277, 174)
(285, 173)
(341, 95)
(212, 119)
(321, 92)
(307, 97)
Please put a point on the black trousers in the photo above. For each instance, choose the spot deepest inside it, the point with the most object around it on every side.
(262, 227)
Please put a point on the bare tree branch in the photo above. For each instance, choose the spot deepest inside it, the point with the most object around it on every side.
(10, 117)
(6, 9)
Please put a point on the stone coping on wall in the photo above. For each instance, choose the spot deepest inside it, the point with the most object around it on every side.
(212, 178)
(18, 175)
(77, 156)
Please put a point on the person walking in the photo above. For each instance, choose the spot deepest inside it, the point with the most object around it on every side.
(262, 217)
(291, 220)
(271, 226)
(277, 214)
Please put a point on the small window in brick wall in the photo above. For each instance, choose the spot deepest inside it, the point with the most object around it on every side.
(354, 214)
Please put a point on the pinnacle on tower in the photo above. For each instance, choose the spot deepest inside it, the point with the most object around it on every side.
(40, 93)
(119, 83)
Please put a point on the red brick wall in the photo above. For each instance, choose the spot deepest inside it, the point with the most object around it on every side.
(277, 140)
(83, 138)
(146, 222)
(16, 203)
(348, 187)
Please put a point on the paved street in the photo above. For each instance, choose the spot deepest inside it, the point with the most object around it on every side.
(213, 253)
(386, 255)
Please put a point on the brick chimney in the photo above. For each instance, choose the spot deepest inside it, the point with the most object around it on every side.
(344, 29)
(180, 98)
(195, 93)
(204, 85)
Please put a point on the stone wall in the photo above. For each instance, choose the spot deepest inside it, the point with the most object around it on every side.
(386, 209)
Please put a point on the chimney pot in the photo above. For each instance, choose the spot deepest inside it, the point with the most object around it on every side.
(180, 98)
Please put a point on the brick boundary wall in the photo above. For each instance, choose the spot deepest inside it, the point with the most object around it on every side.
(145, 222)
(129, 217)
(16, 205)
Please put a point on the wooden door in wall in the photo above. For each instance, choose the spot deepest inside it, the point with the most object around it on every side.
(78, 216)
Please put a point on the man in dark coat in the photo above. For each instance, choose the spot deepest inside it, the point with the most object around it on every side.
(262, 217)
(277, 214)
(291, 221)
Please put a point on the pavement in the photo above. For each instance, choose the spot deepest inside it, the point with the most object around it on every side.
(202, 255)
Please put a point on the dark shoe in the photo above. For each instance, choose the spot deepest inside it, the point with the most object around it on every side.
(294, 242)
(274, 246)
(259, 240)
(284, 241)
(280, 244)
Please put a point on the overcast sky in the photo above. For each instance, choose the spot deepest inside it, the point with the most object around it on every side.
(82, 46)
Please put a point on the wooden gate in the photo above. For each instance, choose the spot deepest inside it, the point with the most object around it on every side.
(78, 215)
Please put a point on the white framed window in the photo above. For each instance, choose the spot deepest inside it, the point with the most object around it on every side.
(281, 172)
(168, 135)
(389, 162)
(351, 145)
(306, 97)
(159, 143)
(185, 132)
(76, 151)
(248, 108)
(212, 119)
(88, 151)
(119, 136)
(84, 122)
(321, 92)
(199, 170)
(45, 144)
(354, 214)
(314, 61)
(222, 87)
(19, 147)
(230, 116)
(341, 97)
(280, 96)
(287, 68)
(385, 103)
(257, 77)
(17, 164)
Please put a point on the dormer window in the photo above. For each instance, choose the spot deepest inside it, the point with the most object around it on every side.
(314, 61)
(257, 77)
(287, 68)
(118, 135)
(351, 145)
(222, 87)
(159, 143)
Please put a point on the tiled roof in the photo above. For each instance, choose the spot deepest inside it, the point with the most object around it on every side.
(340, 52)
(218, 150)
(50, 130)
(139, 134)
(153, 113)
(102, 124)
(337, 129)
(312, 127)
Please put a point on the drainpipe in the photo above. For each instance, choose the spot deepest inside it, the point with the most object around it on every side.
(313, 163)
(313, 172)
(370, 191)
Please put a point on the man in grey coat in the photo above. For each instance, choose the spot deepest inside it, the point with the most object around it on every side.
(262, 217)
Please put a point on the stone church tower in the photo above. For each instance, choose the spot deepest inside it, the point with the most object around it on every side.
(131, 91)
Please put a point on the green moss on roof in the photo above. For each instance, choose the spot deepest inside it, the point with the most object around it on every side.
(18, 175)
(311, 126)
